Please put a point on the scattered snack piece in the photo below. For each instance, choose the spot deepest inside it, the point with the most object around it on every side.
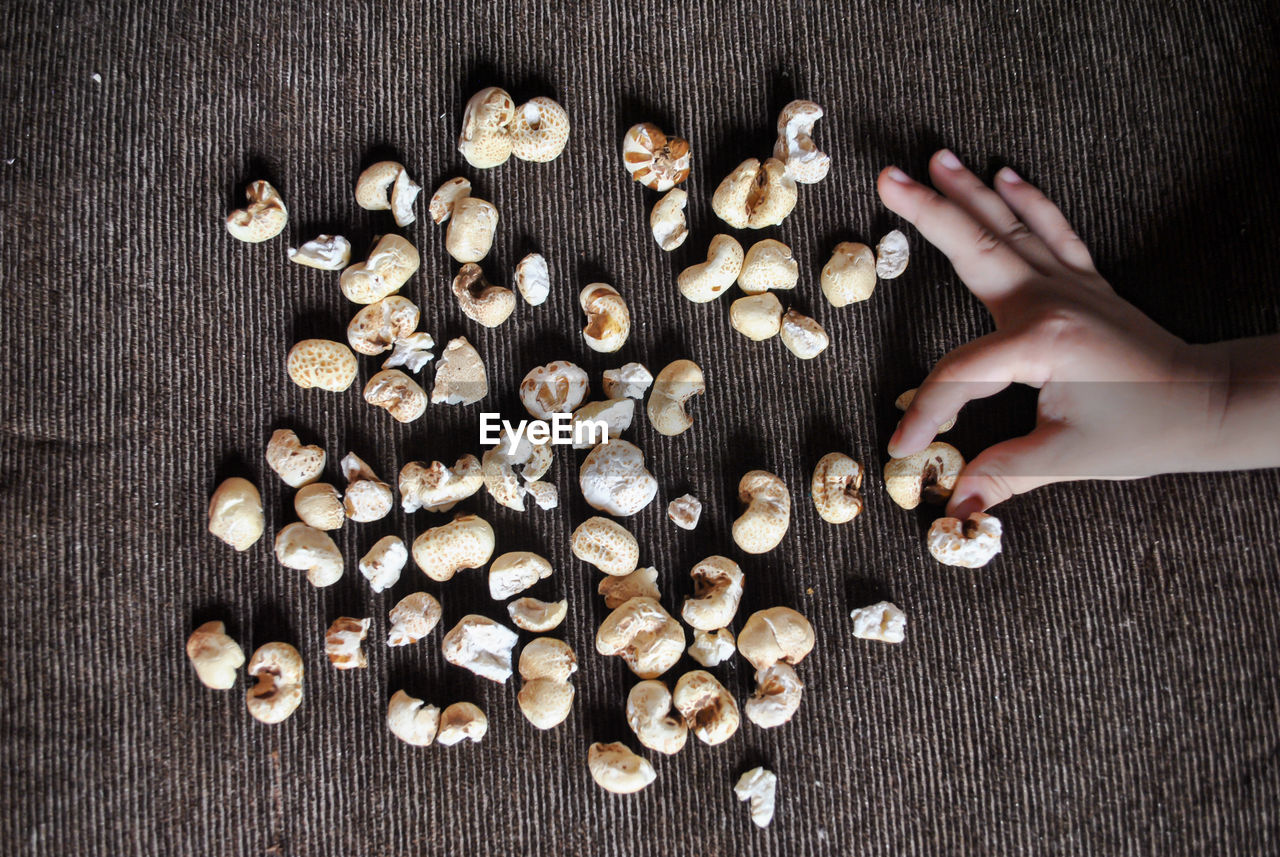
(708, 708)
(296, 464)
(319, 505)
(803, 336)
(712, 648)
(393, 261)
(644, 635)
(469, 235)
(530, 614)
(613, 479)
(685, 511)
(650, 718)
(411, 720)
(778, 634)
(321, 363)
(397, 394)
(215, 656)
(326, 252)
(929, 474)
(777, 696)
(767, 266)
(482, 646)
(835, 488)
(764, 522)
(760, 787)
(616, 769)
(486, 141)
(755, 195)
(342, 643)
(539, 130)
(676, 384)
(546, 697)
(437, 487)
(533, 279)
(278, 692)
(717, 592)
(619, 589)
(607, 545)
(608, 319)
(850, 276)
(412, 352)
(465, 542)
(386, 185)
(968, 544)
(235, 513)
(757, 317)
(308, 549)
(382, 565)
(795, 147)
(460, 375)
(627, 382)
(264, 218)
(652, 158)
(514, 572)
(883, 621)
(556, 388)
(667, 222)
(368, 498)
(446, 196)
(462, 721)
(892, 255)
(708, 280)
(480, 300)
(413, 618)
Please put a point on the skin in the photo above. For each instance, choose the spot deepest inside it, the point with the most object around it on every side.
(1174, 407)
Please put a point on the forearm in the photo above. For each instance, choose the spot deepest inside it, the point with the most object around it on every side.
(1246, 433)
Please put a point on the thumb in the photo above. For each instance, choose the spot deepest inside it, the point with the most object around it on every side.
(1012, 467)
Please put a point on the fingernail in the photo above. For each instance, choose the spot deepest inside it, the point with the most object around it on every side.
(899, 176)
(1008, 176)
(894, 440)
(949, 160)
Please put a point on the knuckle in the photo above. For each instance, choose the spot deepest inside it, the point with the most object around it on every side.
(986, 242)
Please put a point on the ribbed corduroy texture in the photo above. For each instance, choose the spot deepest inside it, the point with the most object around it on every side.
(1107, 686)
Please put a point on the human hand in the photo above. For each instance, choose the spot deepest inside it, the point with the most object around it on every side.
(1120, 397)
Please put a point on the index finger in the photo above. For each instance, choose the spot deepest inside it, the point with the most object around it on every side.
(988, 266)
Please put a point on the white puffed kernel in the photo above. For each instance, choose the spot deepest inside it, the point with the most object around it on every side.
(667, 222)
(539, 130)
(436, 487)
(465, 542)
(644, 635)
(755, 195)
(514, 572)
(382, 565)
(397, 394)
(608, 318)
(326, 252)
(795, 147)
(764, 522)
(544, 494)
(557, 388)
(376, 327)
(777, 697)
(321, 363)
(485, 140)
(235, 513)
(308, 549)
(614, 480)
(411, 720)
(413, 618)
(393, 261)
(533, 279)
(850, 276)
(265, 217)
(628, 382)
(685, 511)
(652, 158)
(368, 498)
(883, 621)
(760, 787)
(374, 183)
(462, 721)
(482, 646)
(803, 336)
(412, 352)
(319, 505)
(615, 414)
(460, 375)
(968, 544)
(278, 691)
(650, 718)
(296, 464)
(708, 708)
(767, 266)
(616, 769)
(607, 545)
(619, 589)
(712, 648)
(214, 655)
(892, 254)
(446, 196)
(530, 614)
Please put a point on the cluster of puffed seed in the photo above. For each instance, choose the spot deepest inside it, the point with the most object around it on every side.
(756, 195)
(613, 477)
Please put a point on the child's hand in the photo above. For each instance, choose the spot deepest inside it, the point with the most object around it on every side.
(1120, 397)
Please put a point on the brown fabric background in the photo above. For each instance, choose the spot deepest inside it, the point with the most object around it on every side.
(1108, 686)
